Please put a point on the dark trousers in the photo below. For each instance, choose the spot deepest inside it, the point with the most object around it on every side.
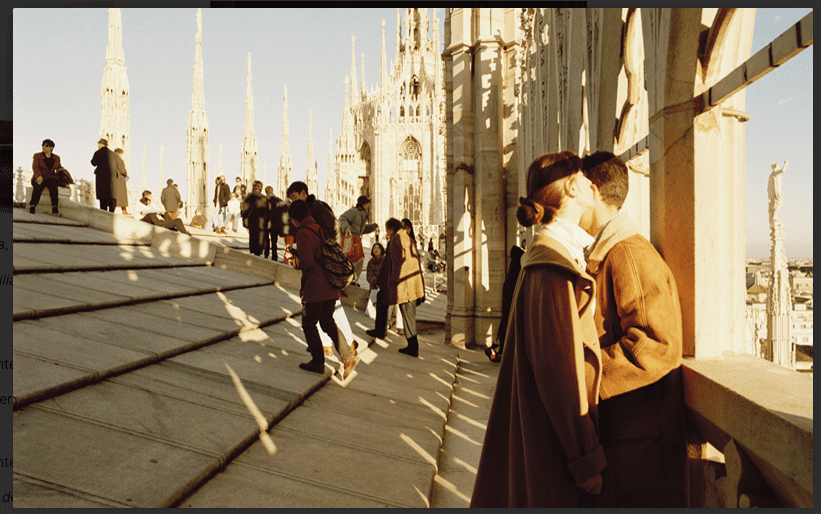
(271, 244)
(37, 190)
(165, 222)
(108, 204)
(322, 312)
(381, 325)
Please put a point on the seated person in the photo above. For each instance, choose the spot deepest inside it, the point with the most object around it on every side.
(144, 206)
(166, 221)
(198, 221)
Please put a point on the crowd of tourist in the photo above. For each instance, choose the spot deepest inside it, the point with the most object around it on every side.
(588, 408)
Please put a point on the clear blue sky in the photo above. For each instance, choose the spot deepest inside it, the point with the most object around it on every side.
(58, 74)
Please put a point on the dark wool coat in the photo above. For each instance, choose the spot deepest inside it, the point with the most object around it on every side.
(278, 216)
(541, 439)
(400, 276)
(38, 166)
(374, 265)
(315, 287)
(222, 193)
(322, 213)
(254, 211)
(106, 173)
(638, 318)
(122, 190)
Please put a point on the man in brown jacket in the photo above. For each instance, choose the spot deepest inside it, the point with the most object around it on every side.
(638, 319)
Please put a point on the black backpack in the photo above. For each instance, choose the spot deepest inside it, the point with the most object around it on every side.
(338, 269)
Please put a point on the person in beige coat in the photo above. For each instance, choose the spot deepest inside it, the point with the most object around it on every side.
(400, 283)
(541, 446)
(638, 317)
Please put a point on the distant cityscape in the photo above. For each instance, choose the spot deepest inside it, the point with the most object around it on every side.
(800, 279)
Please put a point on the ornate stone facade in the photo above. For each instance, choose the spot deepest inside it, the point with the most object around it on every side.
(197, 143)
(391, 145)
(524, 82)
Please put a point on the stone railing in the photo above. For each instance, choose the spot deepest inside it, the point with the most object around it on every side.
(759, 415)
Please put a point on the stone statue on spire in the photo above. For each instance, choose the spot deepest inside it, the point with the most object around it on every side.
(774, 190)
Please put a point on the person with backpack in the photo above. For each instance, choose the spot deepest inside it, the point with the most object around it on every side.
(324, 216)
(318, 295)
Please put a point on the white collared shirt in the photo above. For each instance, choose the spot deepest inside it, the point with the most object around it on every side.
(571, 236)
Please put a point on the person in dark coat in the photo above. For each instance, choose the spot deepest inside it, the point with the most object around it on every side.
(277, 222)
(171, 199)
(122, 182)
(321, 212)
(638, 317)
(222, 194)
(494, 352)
(105, 175)
(255, 218)
(541, 446)
(44, 166)
(318, 295)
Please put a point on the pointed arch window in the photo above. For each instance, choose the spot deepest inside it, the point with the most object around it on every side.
(410, 165)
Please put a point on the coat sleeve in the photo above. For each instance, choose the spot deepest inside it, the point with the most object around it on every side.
(344, 223)
(35, 166)
(305, 249)
(650, 317)
(555, 350)
(394, 255)
(370, 227)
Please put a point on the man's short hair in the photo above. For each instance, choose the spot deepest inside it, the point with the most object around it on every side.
(299, 210)
(297, 187)
(169, 181)
(118, 151)
(48, 142)
(269, 190)
(609, 174)
(393, 224)
(146, 193)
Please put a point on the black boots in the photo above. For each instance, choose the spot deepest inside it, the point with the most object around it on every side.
(412, 349)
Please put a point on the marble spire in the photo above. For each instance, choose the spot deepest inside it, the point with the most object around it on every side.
(250, 150)
(779, 299)
(197, 145)
(115, 120)
(353, 72)
(330, 180)
(383, 81)
(398, 36)
(162, 173)
(362, 87)
(285, 167)
(310, 173)
(145, 172)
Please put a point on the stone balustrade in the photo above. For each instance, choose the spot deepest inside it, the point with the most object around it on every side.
(760, 416)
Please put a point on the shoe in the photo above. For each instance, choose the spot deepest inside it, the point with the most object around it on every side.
(32, 208)
(56, 213)
(311, 366)
(374, 333)
(354, 347)
(329, 350)
(349, 365)
(413, 347)
(413, 352)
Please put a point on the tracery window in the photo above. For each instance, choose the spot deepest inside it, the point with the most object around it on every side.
(410, 165)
